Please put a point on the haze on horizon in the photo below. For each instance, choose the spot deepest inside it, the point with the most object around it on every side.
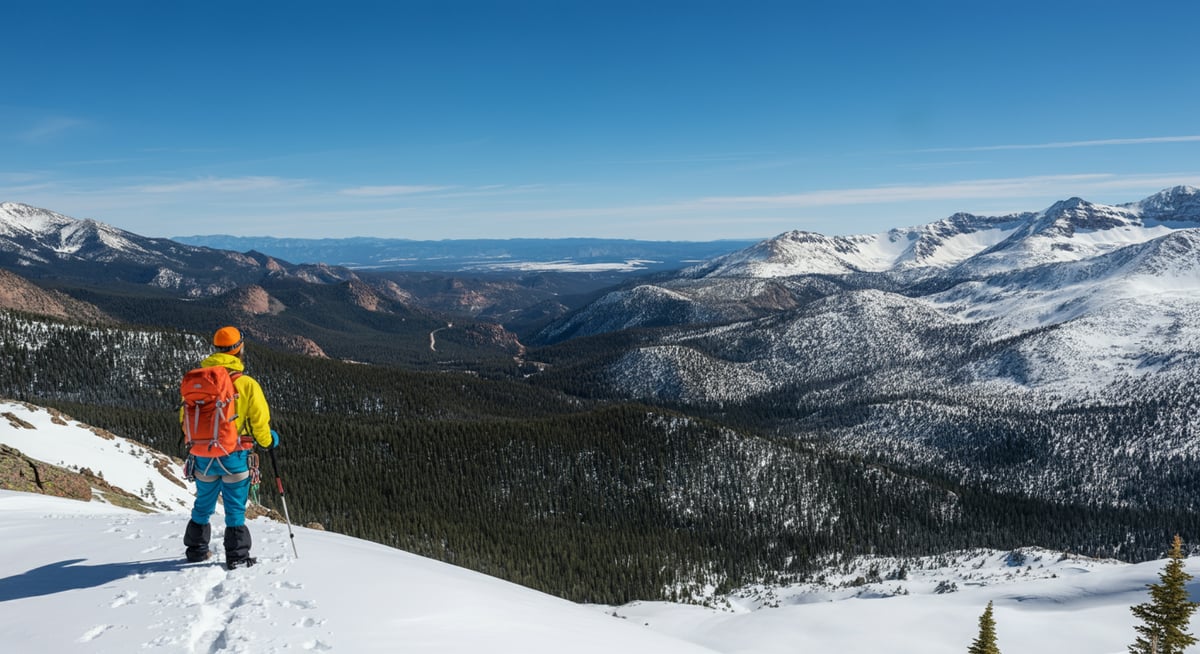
(671, 120)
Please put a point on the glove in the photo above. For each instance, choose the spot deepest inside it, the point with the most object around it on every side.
(274, 440)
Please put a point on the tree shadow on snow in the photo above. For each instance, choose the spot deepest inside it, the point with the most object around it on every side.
(66, 575)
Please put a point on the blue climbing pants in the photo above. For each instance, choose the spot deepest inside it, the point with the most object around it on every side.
(227, 476)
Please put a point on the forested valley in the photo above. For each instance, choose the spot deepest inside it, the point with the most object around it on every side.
(589, 499)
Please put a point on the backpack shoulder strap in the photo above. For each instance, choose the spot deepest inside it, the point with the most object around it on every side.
(245, 437)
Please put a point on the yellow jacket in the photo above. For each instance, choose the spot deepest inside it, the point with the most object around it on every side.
(253, 414)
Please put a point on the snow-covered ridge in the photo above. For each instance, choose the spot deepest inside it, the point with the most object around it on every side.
(792, 309)
(22, 219)
(65, 235)
(1069, 230)
(42, 242)
(1178, 204)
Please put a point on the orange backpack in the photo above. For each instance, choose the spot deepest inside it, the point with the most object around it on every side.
(210, 411)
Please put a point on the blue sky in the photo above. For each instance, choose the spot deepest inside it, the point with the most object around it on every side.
(681, 120)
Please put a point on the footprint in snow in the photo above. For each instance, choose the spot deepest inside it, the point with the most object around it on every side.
(124, 598)
(162, 641)
(94, 633)
(318, 645)
(290, 585)
(118, 526)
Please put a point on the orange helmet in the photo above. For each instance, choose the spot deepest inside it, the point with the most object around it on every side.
(228, 340)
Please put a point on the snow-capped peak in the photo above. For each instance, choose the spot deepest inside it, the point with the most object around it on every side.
(39, 232)
(800, 252)
(18, 219)
(1065, 217)
(1178, 204)
(936, 245)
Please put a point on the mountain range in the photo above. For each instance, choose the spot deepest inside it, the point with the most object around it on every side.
(45, 244)
(926, 387)
(1081, 271)
(1052, 353)
(966, 245)
(58, 265)
(317, 308)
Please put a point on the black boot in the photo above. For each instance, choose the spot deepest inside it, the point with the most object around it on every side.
(237, 547)
(195, 539)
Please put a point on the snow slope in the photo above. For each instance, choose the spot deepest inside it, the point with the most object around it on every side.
(93, 577)
(87, 577)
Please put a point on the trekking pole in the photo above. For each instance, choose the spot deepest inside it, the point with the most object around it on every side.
(279, 485)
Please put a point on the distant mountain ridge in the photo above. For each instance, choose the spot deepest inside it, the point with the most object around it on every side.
(786, 271)
(1009, 274)
(528, 282)
(480, 255)
(43, 243)
(106, 273)
(1068, 230)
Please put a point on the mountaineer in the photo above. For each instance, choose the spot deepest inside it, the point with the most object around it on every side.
(224, 414)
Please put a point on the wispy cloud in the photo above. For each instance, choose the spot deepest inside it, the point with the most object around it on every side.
(14, 185)
(784, 208)
(49, 128)
(222, 185)
(488, 191)
(718, 157)
(1056, 145)
(1066, 185)
(386, 191)
(20, 177)
(15, 192)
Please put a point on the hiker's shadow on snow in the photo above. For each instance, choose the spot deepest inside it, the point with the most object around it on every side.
(66, 575)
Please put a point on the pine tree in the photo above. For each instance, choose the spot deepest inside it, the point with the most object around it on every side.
(1166, 616)
(985, 642)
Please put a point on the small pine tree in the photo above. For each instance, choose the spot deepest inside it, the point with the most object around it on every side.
(1165, 618)
(985, 642)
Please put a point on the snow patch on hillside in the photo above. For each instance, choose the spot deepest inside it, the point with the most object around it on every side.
(59, 440)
